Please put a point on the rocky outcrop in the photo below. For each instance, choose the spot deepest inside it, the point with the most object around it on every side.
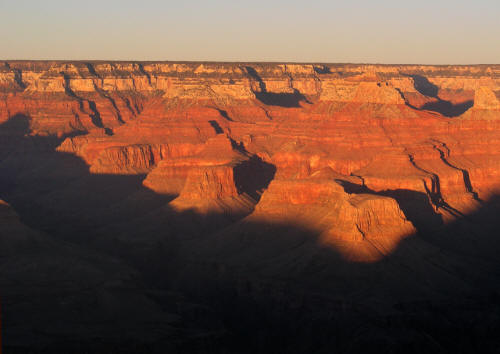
(209, 184)
(485, 98)
(324, 206)
(373, 92)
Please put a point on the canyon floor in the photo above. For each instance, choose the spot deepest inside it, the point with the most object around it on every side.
(161, 207)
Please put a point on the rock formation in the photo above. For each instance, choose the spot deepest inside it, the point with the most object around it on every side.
(181, 125)
(191, 169)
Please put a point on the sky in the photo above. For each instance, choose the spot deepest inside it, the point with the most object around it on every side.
(321, 31)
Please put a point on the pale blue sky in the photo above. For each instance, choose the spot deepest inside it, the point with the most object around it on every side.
(375, 31)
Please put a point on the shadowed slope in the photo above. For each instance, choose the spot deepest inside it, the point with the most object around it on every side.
(253, 278)
(444, 107)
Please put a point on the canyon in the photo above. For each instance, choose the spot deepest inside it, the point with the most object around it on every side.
(192, 207)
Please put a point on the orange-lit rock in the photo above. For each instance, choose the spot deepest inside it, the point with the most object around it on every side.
(485, 98)
(208, 179)
(391, 135)
(324, 206)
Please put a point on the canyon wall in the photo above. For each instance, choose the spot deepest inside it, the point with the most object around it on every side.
(138, 158)
(379, 130)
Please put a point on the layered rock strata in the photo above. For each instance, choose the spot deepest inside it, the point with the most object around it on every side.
(410, 130)
(321, 189)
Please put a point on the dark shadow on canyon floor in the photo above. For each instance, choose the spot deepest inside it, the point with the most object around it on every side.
(322, 69)
(253, 176)
(284, 99)
(216, 126)
(447, 108)
(212, 284)
(424, 86)
(444, 107)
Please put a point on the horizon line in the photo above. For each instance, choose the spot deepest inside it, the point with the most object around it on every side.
(240, 62)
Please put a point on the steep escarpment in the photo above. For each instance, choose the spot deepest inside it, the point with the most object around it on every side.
(188, 126)
(302, 191)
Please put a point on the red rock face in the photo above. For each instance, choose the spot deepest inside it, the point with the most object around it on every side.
(384, 133)
(359, 190)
